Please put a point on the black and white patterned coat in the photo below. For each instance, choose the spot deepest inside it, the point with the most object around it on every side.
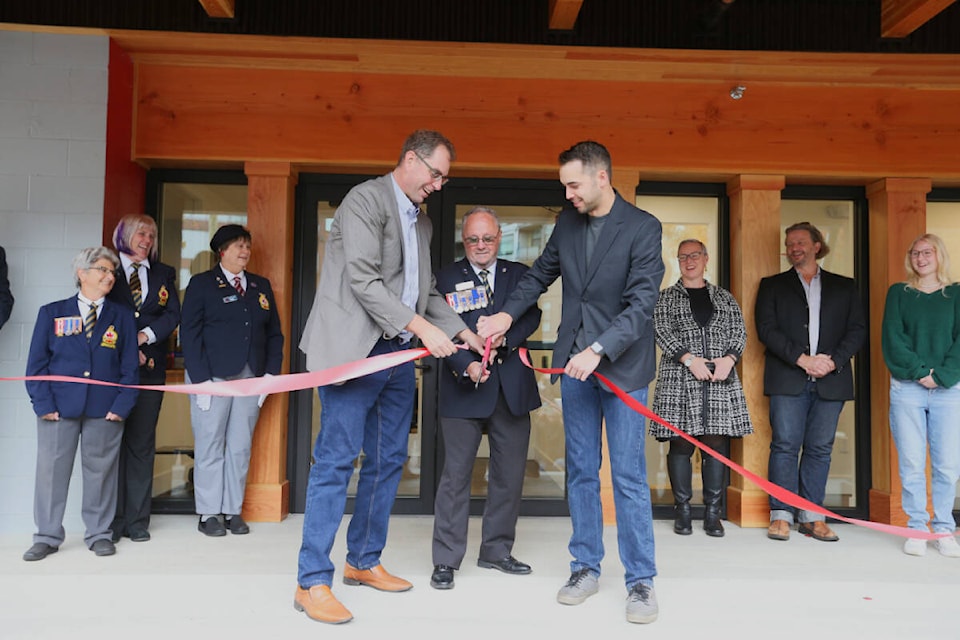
(698, 408)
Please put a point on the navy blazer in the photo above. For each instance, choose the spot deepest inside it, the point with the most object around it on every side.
(160, 311)
(6, 298)
(612, 298)
(111, 357)
(509, 376)
(221, 331)
(782, 318)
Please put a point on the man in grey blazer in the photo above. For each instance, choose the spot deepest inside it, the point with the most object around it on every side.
(376, 293)
(608, 254)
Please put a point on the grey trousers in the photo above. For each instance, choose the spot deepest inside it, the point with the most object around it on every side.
(99, 441)
(221, 443)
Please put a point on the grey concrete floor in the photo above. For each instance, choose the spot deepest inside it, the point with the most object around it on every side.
(184, 585)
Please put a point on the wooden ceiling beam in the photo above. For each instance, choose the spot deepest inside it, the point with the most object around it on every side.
(563, 13)
(900, 18)
(219, 8)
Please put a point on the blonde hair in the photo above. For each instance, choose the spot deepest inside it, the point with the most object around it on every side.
(943, 261)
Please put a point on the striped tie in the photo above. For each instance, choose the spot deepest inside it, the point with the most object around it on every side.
(237, 285)
(135, 287)
(90, 320)
(486, 285)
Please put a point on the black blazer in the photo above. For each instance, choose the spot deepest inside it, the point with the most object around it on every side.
(6, 298)
(612, 298)
(160, 311)
(509, 376)
(221, 331)
(782, 317)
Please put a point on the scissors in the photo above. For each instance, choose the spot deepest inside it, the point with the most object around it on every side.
(484, 361)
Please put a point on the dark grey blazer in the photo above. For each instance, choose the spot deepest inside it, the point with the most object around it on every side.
(612, 298)
(782, 317)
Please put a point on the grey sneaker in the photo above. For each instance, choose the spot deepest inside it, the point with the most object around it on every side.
(642, 604)
(581, 585)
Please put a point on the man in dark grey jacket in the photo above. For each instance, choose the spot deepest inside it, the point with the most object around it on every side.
(608, 254)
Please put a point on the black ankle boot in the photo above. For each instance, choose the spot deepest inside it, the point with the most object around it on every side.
(712, 473)
(681, 483)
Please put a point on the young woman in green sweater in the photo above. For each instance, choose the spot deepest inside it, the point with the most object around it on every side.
(921, 347)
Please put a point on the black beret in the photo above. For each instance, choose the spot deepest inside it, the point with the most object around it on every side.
(227, 234)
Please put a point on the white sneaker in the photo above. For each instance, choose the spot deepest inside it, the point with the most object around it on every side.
(915, 547)
(948, 547)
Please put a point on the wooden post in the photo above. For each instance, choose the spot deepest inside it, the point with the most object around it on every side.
(755, 246)
(898, 214)
(270, 199)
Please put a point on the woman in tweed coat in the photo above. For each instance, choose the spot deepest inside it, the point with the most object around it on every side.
(701, 334)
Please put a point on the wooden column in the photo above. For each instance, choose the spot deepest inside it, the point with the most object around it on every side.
(898, 214)
(755, 246)
(270, 197)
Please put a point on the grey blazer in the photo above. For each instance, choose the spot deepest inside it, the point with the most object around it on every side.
(358, 298)
(612, 298)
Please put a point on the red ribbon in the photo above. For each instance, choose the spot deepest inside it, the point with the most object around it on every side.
(774, 490)
(359, 368)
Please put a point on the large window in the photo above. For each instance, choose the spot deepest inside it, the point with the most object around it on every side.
(190, 207)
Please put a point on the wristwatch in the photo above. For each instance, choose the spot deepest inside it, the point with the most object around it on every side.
(597, 348)
(688, 362)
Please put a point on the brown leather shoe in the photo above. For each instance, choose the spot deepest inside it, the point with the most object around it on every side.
(376, 577)
(320, 604)
(818, 530)
(779, 530)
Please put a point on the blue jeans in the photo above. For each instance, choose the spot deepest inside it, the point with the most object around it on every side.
(371, 413)
(585, 404)
(918, 417)
(808, 422)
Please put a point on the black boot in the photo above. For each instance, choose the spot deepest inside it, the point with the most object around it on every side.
(712, 472)
(681, 481)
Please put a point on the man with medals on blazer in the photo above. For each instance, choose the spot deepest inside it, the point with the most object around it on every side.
(147, 287)
(475, 397)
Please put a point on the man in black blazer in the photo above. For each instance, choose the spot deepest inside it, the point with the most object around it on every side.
(609, 255)
(498, 399)
(812, 324)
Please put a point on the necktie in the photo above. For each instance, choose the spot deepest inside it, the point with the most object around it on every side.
(486, 285)
(237, 285)
(135, 287)
(90, 320)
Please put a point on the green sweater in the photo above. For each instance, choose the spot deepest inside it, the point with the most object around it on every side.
(921, 331)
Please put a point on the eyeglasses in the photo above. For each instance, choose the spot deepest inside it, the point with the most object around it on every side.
(696, 255)
(926, 253)
(474, 240)
(100, 269)
(436, 175)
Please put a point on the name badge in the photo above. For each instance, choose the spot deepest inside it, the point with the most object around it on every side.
(229, 299)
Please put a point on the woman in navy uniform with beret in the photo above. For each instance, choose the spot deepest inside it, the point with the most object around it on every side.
(148, 288)
(84, 336)
(229, 330)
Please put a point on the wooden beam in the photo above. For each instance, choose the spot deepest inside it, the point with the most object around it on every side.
(563, 13)
(900, 18)
(219, 8)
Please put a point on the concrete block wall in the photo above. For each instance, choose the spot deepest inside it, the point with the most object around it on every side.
(53, 113)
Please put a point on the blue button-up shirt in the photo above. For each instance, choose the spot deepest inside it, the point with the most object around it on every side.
(408, 213)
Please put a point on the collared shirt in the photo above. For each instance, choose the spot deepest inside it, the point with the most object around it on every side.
(126, 262)
(83, 305)
(491, 274)
(408, 213)
(813, 289)
(231, 276)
